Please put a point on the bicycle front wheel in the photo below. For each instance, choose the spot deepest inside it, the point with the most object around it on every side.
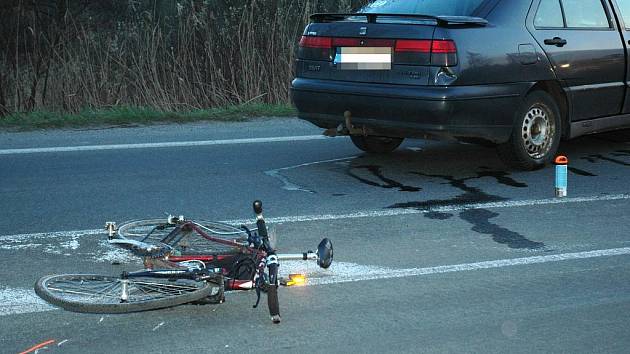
(155, 231)
(104, 294)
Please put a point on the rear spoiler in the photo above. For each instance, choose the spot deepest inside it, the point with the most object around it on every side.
(372, 17)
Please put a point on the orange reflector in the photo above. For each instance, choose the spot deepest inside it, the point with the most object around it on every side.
(296, 280)
(38, 346)
(562, 160)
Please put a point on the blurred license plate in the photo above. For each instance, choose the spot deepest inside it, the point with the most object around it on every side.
(363, 58)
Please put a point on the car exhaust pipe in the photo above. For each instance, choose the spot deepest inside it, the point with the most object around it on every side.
(346, 128)
(347, 116)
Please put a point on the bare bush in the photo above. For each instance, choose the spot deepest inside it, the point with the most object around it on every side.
(168, 55)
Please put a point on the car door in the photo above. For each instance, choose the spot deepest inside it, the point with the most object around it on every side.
(586, 51)
(622, 8)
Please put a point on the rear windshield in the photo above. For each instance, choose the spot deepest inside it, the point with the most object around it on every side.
(424, 7)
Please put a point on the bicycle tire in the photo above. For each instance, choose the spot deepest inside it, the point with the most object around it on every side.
(148, 231)
(93, 293)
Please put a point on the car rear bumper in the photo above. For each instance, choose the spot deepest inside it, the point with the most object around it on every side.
(462, 112)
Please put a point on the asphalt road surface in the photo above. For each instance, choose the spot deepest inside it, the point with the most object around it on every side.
(438, 247)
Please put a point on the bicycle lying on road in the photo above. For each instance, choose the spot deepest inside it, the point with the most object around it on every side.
(185, 261)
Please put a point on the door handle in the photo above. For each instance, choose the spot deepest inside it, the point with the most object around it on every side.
(557, 41)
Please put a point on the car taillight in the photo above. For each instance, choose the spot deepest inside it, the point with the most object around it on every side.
(439, 52)
(412, 52)
(316, 42)
(413, 46)
(315, 48)
(443, 52)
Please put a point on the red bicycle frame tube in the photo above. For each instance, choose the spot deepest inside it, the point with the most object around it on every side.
(244, 249)
(230, 284)
(200, 257)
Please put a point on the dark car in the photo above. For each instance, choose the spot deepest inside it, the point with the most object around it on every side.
(518, 74)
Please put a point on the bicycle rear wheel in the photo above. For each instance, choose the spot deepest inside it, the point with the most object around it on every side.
(93, 293)
(155, 231)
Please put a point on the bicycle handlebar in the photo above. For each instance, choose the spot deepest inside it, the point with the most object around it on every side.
(306, 256)
(260, 221)
(262, 227)
(257, 207)
(272, 264)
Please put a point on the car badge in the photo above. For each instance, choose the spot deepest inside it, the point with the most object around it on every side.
(363, 31)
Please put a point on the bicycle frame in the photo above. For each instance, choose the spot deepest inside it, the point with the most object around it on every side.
(176, 269)
(189, 226)
(259, 255)
(251, 264)
(217, 262)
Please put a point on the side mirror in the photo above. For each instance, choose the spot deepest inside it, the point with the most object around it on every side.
(325, 253)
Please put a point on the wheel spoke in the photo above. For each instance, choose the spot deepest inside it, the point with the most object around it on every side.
(77, 292)
(66, 285)
(167, 286)
(158, 290)
(189, 242)
(109, 288)
(103, 294)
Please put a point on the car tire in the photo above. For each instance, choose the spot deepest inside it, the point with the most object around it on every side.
(376, 144)
(536, 134)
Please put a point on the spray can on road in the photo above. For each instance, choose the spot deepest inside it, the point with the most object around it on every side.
(561, 176)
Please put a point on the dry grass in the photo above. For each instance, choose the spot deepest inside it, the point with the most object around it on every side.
(195, 60)
(126, 116)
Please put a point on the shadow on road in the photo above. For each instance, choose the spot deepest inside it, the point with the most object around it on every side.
(419, 173)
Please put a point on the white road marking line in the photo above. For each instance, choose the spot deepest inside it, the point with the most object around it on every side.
(18, 301)
(387, 273)
(16, 239)
(50, 235)
(158, 326)
(442, 209)
(162, 145)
